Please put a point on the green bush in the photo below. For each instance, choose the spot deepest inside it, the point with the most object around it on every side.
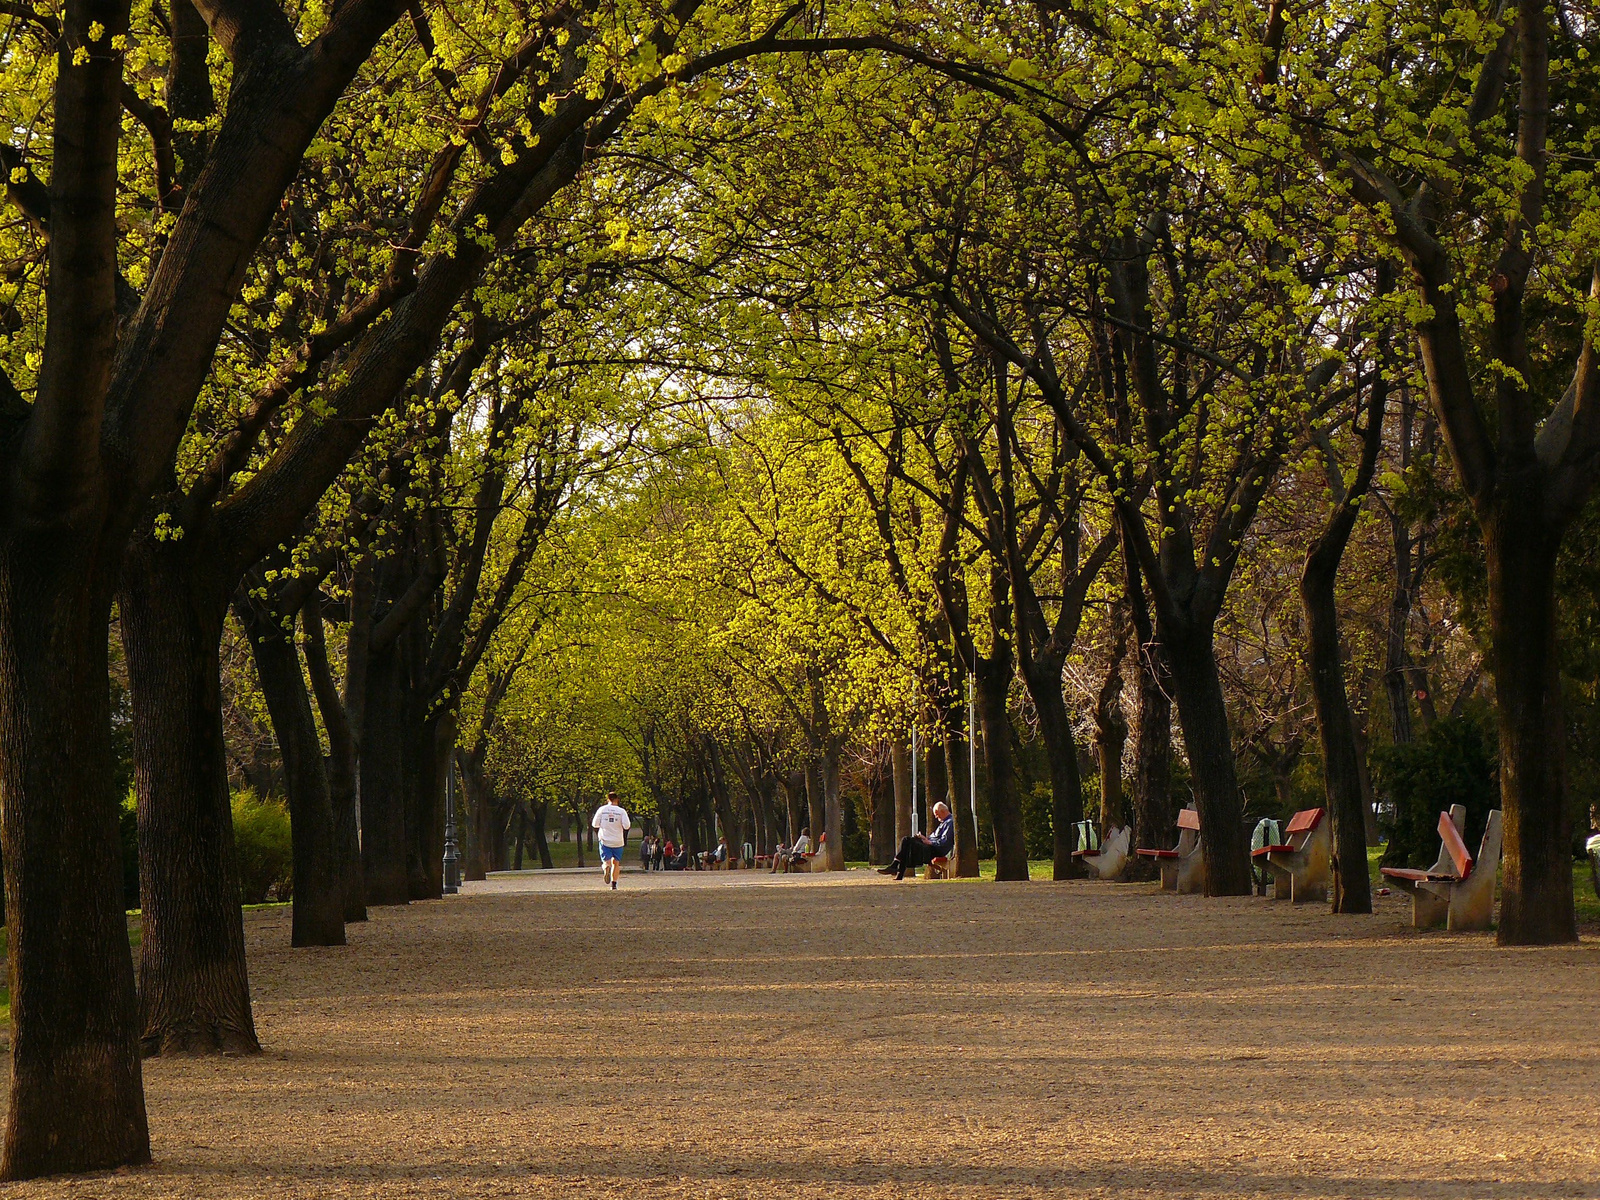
(1452, 763)
(261, 841)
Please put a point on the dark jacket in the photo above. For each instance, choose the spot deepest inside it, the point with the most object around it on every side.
(943, 839)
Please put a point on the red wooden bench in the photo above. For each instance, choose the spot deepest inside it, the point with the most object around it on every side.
(1302, 866)
(937, 868)
(1458, 890)
(1183, 868)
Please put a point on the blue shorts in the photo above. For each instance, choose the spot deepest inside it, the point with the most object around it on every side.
(611, 853)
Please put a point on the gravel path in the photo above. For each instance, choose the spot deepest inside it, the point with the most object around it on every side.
(728, 1035)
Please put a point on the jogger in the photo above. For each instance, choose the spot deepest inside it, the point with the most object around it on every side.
(611, 819)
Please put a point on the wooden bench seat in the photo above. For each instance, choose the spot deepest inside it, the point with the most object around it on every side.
(938, 868)
(1458, 890)
(1183, 869)
(1301, 866)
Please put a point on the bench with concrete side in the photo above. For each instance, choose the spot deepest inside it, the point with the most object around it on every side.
(1458, 890)
(1183, 870)
(1110, 857)
(1302, 866)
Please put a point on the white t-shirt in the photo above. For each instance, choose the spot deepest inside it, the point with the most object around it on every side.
(612, 822)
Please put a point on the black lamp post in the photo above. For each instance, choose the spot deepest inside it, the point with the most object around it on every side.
(452, 851)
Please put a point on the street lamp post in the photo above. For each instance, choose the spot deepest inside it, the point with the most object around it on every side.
(452, 851)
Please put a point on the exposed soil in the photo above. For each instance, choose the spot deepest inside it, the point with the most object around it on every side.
(850, 1037)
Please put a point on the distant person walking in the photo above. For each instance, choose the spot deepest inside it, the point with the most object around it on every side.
(644, 853)
(611, 819)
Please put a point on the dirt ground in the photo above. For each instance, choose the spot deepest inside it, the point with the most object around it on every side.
(743, 1036)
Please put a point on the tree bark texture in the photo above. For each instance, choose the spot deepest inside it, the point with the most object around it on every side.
(1043, 677)
(900, 758)
(1005, 809)
(194, 988)
(77, 1093)
(1203, 717)
(383, 813)
(1352, 890)
(318, 908)
(1536, 901)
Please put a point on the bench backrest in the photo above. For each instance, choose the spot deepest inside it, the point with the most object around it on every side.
(1188, 818)
(1306, 820)
(1454, 847)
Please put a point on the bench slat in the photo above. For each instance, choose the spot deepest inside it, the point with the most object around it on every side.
(1454, 846)
(1265, 850)
(1156, 853)
(1402, 873)
(1306, 820)
(1188, 818)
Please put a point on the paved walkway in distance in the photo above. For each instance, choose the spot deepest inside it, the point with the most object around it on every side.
(724, 1036)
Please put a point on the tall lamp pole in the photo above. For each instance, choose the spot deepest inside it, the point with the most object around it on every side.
(452, 851)
(916, 826)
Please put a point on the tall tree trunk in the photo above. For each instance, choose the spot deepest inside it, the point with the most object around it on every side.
(540, 839)
(318, 909)
(956, 750)
(1203, 716)
(1341, 775)
(1005, 809)
(383, 813)
(343, 761)
(833, 809)
(936, 779)
(816, 797)
(883, 794)
(1110, 736)
(77, 1092)
(1043, 678)
(794, 794)
(194, 989)
(1536, 900)
(900, 763)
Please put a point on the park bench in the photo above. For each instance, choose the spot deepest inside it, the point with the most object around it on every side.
(806, 859)
(1183, 869)
(1301, 866)
(937, 868)
(1110, 857)
(1458, 890)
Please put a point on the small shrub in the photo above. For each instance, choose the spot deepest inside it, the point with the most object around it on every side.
(1449, 764)
(261, 842)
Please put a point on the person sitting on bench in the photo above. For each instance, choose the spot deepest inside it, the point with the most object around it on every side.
(921, 849)
(799, 852)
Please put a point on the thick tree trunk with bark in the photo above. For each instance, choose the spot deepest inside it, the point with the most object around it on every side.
(383, 814)
(77, 1093)
(540, 838)
(1536, 900)
(343, 761)
(955, 750)
(194, 989)
(883, 795)
(1341, 774)
(816, 796)
(318, 908)
(900, 760)
(1110, 737)
(1005, 809)
(1043, 678)
(1203, 716)
(833, 809)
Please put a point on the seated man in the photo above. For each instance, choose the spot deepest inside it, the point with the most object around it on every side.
(719, 856)
(922, 849)
(779, 857)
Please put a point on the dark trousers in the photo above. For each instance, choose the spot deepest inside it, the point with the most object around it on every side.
(914, 853)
